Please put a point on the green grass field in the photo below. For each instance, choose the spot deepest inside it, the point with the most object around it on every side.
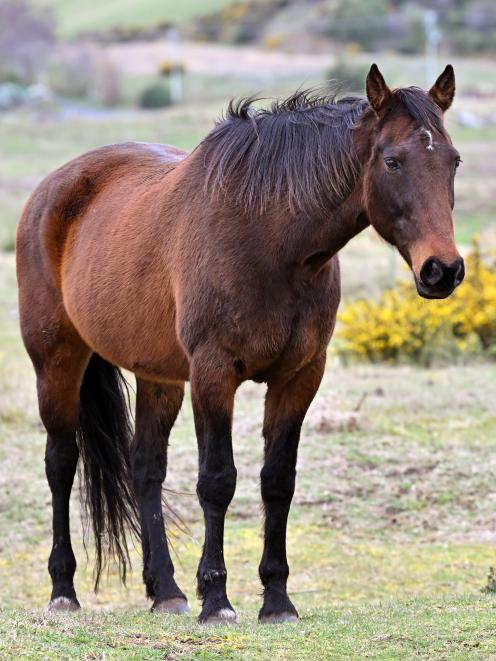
(74, 17)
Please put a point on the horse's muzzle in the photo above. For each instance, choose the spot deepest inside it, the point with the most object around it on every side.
(438, 280)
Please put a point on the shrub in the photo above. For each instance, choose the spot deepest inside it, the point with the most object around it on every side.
(155, 96)
(84, 71)
(402, 327)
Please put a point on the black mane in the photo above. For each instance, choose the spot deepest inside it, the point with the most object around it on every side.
(299, 152)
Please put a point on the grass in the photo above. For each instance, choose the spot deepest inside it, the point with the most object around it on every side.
(390, 539)
(74, 18)
(405, 629)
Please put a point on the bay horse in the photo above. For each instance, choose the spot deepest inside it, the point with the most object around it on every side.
(215, 267)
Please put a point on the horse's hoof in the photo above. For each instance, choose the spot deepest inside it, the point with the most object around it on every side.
(175, 606)
(63, 605)
(278, 618)
(223, 616)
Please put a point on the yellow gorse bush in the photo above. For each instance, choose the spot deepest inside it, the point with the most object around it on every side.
(402, 327)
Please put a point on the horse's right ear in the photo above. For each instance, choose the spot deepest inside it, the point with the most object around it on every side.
(378, 93)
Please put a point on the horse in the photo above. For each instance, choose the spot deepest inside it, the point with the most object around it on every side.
(215, 267)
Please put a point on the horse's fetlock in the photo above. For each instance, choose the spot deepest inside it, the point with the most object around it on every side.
(212, 574)
(274, 573)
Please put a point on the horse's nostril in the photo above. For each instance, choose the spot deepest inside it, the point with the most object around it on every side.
(459, 272)
(432, 272)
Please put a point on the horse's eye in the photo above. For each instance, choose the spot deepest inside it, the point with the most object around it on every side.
(457, 163)
(392, 164)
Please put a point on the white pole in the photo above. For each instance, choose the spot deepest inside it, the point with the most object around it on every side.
(176, 76)
(432, 40)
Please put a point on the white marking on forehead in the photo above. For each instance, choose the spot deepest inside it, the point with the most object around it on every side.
(430, 146)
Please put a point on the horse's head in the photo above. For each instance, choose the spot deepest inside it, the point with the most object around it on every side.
(408, 180)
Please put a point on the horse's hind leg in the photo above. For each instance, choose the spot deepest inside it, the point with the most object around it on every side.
(157, 407)
(60, 358)
(285, 408)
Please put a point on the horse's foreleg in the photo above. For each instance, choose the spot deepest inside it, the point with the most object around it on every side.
(285, 409)
(213, 384)
(157, 407)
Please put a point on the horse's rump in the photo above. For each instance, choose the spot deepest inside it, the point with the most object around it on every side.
(90, 233)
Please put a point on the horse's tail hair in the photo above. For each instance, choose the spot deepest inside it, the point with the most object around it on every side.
(104, 438)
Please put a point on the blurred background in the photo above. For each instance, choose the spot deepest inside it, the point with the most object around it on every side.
(399, 459)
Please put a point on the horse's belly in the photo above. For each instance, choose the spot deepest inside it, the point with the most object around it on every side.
(145, 344)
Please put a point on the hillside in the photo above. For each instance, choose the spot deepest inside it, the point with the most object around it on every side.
(74, 17)
(462, 26)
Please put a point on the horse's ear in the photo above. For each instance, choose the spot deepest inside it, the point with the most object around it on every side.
(378, 93)
(443, 90)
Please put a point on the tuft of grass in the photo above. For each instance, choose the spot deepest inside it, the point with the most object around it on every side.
(490, 587)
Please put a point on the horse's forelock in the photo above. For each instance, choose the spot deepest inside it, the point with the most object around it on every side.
(421, 108)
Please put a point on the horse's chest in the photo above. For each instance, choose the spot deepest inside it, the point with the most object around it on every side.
(305, 335)
(284, 332)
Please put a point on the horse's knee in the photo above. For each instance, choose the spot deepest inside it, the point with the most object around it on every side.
(216, 489)
(277, 483)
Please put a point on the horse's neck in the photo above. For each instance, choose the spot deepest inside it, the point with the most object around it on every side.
(350, 218)
(336, 226)
(327, 233)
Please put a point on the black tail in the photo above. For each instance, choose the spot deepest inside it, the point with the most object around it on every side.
(104, 438)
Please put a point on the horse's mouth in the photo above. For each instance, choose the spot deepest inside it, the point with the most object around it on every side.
(433, 293)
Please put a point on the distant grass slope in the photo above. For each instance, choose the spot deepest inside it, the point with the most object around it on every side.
(75, 17)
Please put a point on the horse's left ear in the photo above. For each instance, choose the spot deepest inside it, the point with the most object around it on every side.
(443, 90)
